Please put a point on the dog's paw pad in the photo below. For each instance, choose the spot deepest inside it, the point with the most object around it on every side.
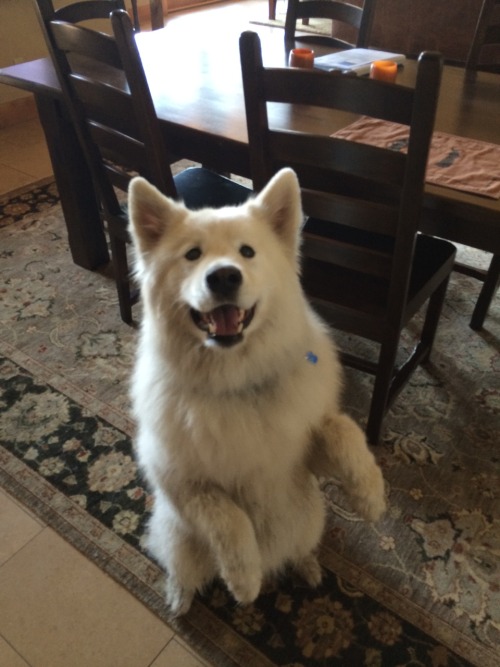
(310, 570)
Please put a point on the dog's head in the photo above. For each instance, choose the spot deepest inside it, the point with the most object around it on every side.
(214, 271)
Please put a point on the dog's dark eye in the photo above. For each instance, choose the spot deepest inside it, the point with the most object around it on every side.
(247, 251)
(193, 254)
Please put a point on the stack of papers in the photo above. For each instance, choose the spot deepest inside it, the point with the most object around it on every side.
(355, 60)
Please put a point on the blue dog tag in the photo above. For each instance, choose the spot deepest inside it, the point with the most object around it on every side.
(311, 358)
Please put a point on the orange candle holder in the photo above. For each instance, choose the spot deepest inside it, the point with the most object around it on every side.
(301, 58)
(384, 70)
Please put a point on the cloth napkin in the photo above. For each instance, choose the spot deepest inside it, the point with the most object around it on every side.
(454, 162)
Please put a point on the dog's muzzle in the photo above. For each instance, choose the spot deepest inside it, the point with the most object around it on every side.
(224, 324)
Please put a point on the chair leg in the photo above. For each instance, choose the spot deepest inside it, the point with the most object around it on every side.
(431, 321)
(389, 381)
(381, 389)
(490, 286)
(423, 349)
(122, 279)
(272, 9)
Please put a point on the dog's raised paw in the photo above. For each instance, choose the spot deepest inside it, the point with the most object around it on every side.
(310, 570)
(369, 501)
(177, 597)
(245, 586)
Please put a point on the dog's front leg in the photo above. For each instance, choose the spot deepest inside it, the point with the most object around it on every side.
(231, 536)
(339, 448)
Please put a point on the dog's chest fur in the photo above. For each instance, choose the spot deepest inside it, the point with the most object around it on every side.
(228, 436)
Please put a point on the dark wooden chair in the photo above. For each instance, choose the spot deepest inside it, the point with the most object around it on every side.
(365, 268)
(484, 54)
(110, 104)
(79, 12)
(342, 14)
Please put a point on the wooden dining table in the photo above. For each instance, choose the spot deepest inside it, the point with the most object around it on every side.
(195, 80)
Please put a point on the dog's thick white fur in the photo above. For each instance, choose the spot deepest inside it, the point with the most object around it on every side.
(236, 395)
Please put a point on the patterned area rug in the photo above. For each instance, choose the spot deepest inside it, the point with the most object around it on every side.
(421, 587)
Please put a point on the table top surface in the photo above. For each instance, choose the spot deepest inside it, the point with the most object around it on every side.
(208, 79)
(195, 80)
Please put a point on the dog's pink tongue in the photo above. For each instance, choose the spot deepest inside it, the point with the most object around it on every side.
(226, 320)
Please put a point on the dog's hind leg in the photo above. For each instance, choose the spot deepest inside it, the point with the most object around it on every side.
(339, 449)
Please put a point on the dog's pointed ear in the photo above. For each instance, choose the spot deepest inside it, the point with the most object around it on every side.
(282, 203)
(150, 213)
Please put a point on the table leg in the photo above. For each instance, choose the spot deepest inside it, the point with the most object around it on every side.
(86, 236)
(488, 291)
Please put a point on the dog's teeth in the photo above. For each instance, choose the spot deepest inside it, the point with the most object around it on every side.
(212, 327)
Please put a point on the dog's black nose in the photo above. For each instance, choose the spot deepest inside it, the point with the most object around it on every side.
(224, 281)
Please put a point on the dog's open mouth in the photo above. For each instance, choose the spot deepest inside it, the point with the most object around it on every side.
(224, 324)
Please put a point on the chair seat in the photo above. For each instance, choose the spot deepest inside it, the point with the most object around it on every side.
(198, 188)
(201, 188)
(354, 301)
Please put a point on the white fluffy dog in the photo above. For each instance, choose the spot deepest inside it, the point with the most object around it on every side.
(236, 394)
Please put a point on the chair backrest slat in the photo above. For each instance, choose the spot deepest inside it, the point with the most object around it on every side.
(80, 11)
(363, 215)
(298, 86)
(117, 145)
(104, 105)
(75, 40)
(366, 260)
(337, 156)
(87, 10)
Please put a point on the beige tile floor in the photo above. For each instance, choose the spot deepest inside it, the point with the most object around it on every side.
(57, 609)
(24, 157)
